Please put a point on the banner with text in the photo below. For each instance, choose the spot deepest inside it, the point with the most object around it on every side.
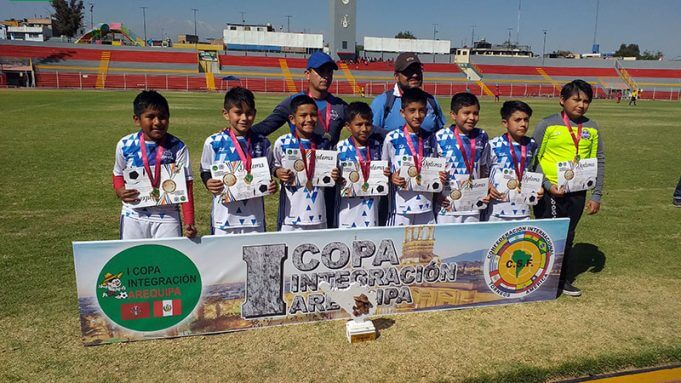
(143, 289)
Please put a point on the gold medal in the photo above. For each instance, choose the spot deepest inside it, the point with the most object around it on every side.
(353, 176)
(569, 174)
(299, 165)
(512, 184)
(577, 158)
(169, 186)
(418, 179)
(455, 194)
(412, 171)
(365, 186)
(229, 179)
(155, 194)
(308, 185)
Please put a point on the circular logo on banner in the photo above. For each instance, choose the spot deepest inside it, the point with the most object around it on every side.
(519, 262)
(148, 288)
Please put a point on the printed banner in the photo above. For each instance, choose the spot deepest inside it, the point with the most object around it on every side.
(143, 289)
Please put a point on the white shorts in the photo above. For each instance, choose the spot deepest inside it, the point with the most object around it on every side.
(494, 218)
(427, 218)
(238, 230)
(138, 229)
(287, 227)
(458, 218)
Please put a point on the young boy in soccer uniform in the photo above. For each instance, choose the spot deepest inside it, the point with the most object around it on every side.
(235, 143)
(514, 152)
(467, 151)
(304, 207)
(361, 147)
(150, 147)
(410, 207)
(569, 136)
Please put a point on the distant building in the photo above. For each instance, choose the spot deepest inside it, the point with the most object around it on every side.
(484, 48)
(263, 38)
(3, 32)
(38, 29)
(187, 39)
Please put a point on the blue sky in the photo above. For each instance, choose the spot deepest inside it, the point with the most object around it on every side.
(654, 25)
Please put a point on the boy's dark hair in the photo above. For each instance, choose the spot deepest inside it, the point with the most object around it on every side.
(358, 108)
(513, 106)
(463, 99)
(238, 96)
(575, 86)
(149, 99)
(414, 95)
(301, 99)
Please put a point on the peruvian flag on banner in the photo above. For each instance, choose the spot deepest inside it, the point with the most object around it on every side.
(168, 308)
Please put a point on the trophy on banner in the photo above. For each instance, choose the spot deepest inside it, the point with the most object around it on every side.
(360, 303)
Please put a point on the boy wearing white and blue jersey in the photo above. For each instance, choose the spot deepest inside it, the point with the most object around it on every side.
(361, 147)
(151, 146)
(304, 207)
(409, 207)
(467, 151)
(235, 143)
(512, 151)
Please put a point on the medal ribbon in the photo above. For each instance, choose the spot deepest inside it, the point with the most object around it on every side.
(246, 158)
(156, 178)
(519, 167)
(326, 120)
(364, 165)
(418, 157)
(309, 167)
(470, 164)
(575, 140)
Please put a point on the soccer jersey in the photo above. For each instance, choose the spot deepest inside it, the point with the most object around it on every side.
(298, 205)
(395, 147)
(501, 159)
(448, 147)
(129, 154)
(358, 211)
(219, 148)
(556, 145)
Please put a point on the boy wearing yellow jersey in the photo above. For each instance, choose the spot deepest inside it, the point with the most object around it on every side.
(569, 136)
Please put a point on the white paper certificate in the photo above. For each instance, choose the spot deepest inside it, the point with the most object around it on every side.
(325, 162)
(172, 188)
(467, 195)
(356, 186)
(238, 184)
(525, 192)
(428, 180)
(579, 176)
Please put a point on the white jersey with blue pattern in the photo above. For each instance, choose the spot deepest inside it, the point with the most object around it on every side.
(448, 147)
(501, 159)
(129, 154)
(358, 211)
(395, 147)
(218, 148)
(298, 205)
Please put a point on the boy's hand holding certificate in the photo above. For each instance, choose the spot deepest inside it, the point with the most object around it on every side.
(241, 184)
(310, 171)
(172, 188)
(465, 194)
(424, 178)
(577, 176)
(525, 192)
(356, 185)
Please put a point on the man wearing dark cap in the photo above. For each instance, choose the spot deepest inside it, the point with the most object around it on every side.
(331, 109)
(386, 106)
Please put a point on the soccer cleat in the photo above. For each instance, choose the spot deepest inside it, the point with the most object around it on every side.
(676, 202)
(570, 290)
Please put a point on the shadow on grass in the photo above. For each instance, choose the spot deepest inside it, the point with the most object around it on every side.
(585, 257)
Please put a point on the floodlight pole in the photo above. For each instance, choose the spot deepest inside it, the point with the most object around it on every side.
(91, 19)
(543, 50)
(144, 17)
(195, 30)
(473, 35)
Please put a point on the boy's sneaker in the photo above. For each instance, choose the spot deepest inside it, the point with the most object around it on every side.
(570, 290)
(676, 202)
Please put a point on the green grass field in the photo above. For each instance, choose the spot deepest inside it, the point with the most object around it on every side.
(57, 148)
